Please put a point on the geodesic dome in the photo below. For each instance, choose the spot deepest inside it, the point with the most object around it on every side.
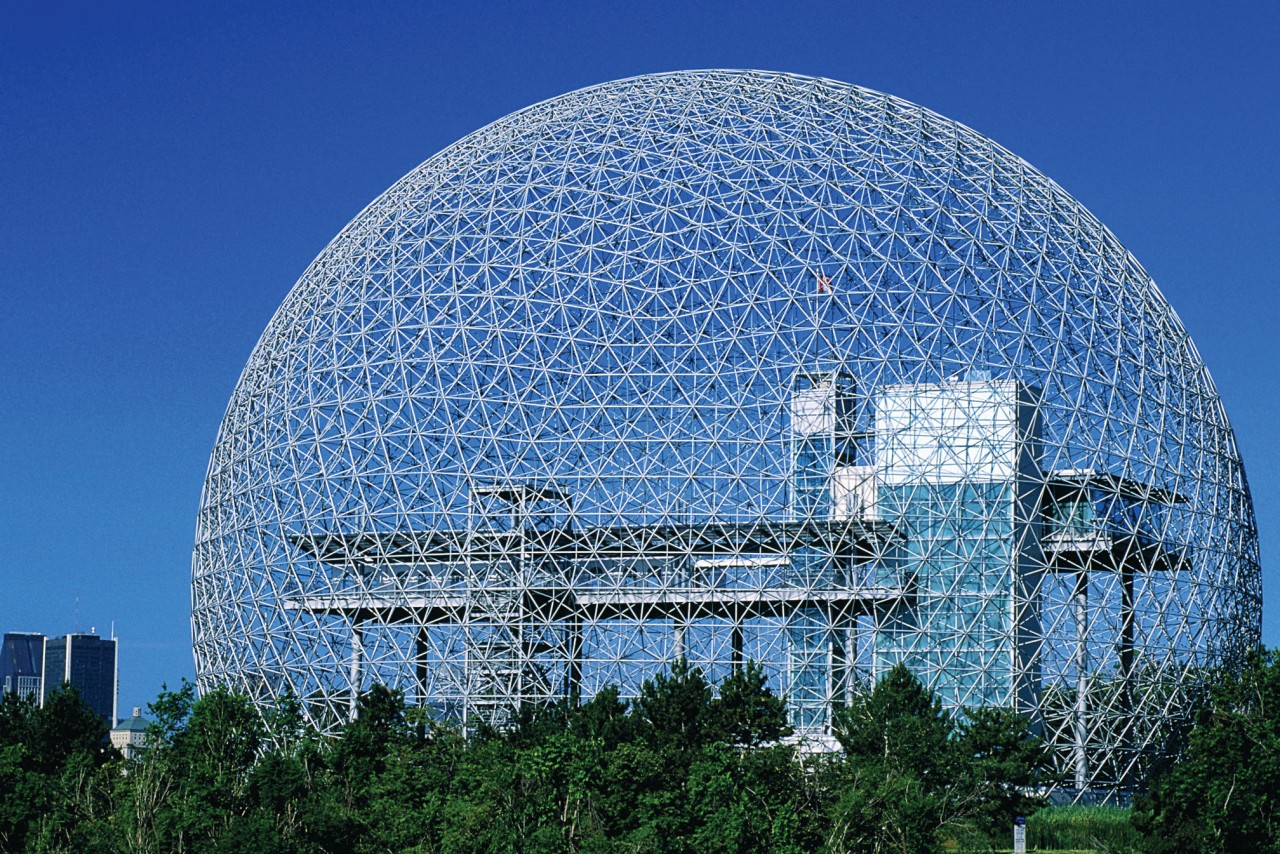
(730, 365)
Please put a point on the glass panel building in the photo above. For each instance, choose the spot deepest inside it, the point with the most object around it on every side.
(958, 473)
(88, 663)
(22, 663)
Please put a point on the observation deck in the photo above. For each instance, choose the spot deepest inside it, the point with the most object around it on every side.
(1097, 522)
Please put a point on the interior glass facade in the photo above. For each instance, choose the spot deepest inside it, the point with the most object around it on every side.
(958, 464)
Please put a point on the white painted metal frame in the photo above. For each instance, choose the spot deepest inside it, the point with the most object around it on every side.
(522, 429)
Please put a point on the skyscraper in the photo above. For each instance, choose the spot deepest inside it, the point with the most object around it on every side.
(89, 663)
(22, 663)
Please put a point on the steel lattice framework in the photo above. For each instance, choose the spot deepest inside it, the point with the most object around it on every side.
(730, 365)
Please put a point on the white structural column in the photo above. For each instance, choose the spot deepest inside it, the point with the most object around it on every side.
(1080, 602)
(574, 678)
(735, 644)
(357, 664)
(422, 644)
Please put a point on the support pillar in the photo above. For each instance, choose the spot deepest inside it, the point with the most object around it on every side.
(574, 675)
(1080, 602)
(357, 664)
(735, 642)
(420, 664)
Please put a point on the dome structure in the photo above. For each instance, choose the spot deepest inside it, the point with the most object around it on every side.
(730, 365)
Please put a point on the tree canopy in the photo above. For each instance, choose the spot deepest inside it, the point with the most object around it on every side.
(687, 765)
(1223, 794)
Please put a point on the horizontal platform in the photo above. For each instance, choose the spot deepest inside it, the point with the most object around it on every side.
(1113, 484)
(588, 605)
(1101, 551)
(665, 541)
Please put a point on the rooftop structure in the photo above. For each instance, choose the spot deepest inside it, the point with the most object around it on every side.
(730, 365)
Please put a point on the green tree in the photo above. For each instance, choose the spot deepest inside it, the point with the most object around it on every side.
(290, 784)
(143, 813)
(212, 759)
(63, 726)
(16, 711)
(751, 800)
(20, 788)
(80, 803)
(361, 754)
(21, 797)
(881, 807)
(54, 788)
(407, 801)
(1223, 795)
(169, 713)
(357, 761)
(746, 712)
(603, 717)
(673, 709)
(682, 768)
(1005, 764)
(913, 777)
(899, 723)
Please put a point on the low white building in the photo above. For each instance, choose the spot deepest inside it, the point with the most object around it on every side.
(130, 735)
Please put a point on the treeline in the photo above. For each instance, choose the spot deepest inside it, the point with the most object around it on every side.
(685, 766)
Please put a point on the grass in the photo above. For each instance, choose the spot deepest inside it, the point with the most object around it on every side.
(1104, 830)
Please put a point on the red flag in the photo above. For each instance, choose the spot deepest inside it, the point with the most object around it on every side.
(824, 282)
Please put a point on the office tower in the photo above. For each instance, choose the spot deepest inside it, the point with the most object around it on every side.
(87, 662)
(22, 663)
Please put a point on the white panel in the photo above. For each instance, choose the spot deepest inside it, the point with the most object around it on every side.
(947, 433)
(853, 493)
(813, 411)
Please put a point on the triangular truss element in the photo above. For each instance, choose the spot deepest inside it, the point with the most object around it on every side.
(731, 365)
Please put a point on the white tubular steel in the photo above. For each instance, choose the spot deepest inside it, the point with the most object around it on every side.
(730, 365)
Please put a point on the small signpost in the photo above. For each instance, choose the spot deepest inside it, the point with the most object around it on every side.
(1020, 835)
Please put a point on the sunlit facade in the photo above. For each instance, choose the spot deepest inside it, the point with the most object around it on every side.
(730, 365)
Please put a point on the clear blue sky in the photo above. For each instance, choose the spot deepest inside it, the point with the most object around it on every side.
(166, 174)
